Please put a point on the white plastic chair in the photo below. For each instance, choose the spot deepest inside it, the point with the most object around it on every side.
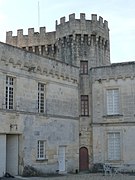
(107, 169)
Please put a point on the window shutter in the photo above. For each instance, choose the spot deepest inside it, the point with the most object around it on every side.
(114, 146)
(112, 101)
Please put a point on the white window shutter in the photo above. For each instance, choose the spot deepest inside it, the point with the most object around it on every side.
(112, 101)
(114, 146)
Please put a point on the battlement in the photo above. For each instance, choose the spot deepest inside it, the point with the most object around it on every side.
(31, 32)
(69, 41)
(72, 18)
(63, 29)
(32, 38)
(82, 26)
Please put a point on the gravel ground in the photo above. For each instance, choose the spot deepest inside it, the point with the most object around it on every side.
(77, 177)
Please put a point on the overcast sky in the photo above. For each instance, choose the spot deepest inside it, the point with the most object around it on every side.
(120, 14)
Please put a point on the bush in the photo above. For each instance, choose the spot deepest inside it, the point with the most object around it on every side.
(30, 171)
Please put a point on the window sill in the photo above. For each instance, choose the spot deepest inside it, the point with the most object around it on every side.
(81, 74)
(114, 161)
(84, 115)
(42, 160)
(113, 116)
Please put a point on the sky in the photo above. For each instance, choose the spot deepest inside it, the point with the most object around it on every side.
(120, 14)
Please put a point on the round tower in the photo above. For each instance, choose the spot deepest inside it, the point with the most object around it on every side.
(81, 39)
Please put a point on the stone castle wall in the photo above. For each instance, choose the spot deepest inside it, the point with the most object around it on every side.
(57, 126)
(120, 76)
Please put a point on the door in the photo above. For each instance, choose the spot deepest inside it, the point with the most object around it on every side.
(2, 155)
(83, 159)
(61, 159)
(12, 154)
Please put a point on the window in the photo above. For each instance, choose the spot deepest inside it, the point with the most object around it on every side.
(83, 67)
(113, 146)
(112, 101)
(84, 105)
(41, 149)
(9, 92)
(41, 98)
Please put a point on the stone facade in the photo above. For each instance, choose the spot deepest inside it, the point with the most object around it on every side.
(87, 99)
(118, 124)
(23, 125)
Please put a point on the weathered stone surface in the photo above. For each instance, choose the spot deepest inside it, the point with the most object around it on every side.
(57, 126)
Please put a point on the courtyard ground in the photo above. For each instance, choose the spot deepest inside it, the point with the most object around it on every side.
(78, 177)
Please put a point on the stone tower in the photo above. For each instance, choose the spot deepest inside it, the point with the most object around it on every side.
(79, 42)
(81, 39)
(72, 42)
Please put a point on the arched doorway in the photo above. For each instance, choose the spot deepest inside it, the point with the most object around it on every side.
(83, 159)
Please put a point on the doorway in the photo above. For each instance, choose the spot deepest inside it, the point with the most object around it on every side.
(83, 159)
(61, 159)
(12, 154)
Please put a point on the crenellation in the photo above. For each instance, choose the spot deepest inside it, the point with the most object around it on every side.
(106, 24)
(100, 21)
(72, 17)
(42, 31)
(62, 43)
(31, 32)
(94, 17)
(56, 24)
(9, 34)
(62, 20)
(82, 16)
(19, 32)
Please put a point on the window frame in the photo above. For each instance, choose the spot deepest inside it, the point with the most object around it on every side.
(84, 67)
(114, 150)
(39, 150)
(9, 92)
(41, 97)
(115, 102)
(84, 105)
